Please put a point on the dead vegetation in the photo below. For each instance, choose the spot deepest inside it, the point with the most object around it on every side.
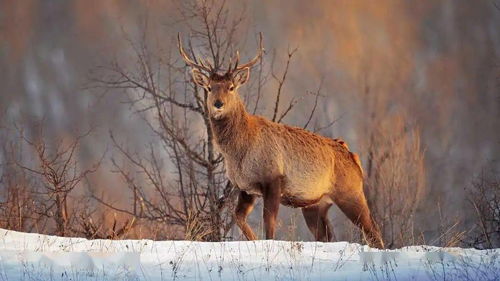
(175, 186)
(484, 200)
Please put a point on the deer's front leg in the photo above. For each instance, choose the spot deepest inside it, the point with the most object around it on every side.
(243, 208)
(272, 199)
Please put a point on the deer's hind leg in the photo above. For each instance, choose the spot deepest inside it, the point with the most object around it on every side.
(317, 221)
(353, 204)
(243, 208)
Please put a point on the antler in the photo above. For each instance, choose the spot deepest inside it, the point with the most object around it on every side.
(237, 67)
(203, 65)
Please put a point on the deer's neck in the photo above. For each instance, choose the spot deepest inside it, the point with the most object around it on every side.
(233, 133)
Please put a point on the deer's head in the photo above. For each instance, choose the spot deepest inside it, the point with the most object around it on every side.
(222, 89)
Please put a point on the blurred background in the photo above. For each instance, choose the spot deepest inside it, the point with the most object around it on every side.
(411, 86)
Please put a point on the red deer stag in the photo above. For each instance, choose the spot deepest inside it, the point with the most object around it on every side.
(283, 164)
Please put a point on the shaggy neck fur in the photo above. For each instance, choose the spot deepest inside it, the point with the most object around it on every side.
(233, 131)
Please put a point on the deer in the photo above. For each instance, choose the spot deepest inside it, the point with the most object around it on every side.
(280, 163)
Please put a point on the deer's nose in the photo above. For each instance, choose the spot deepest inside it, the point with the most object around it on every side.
(218, 103)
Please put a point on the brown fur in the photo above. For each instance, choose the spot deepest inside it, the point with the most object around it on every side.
(284, 164)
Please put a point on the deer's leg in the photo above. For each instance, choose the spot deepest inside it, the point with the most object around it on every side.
(243, 208)
(354, 206)
(272, 199)
(317, 221)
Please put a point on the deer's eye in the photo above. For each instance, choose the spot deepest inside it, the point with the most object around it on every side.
(209, 88)
(231, 88)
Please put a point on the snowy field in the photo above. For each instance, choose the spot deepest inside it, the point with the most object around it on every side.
(39, 257)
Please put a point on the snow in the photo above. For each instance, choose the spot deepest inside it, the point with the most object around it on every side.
(28, 256)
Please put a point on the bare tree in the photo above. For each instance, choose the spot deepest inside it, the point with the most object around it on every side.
(191, 190)
(17, 203)
(484, 198)
(394, 168)
(57, 173)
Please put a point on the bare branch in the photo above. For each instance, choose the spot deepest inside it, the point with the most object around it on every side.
(281, 82)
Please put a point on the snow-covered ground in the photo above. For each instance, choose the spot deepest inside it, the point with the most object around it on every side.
(25, 256)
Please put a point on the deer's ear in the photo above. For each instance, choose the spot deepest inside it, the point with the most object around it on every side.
(242, 76)
(199, 78)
